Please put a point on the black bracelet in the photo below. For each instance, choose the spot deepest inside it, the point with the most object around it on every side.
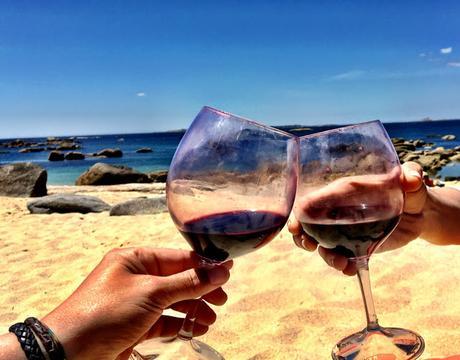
(27, 340)
(51, 344)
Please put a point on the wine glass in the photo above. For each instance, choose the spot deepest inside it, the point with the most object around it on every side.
(230, 189)
(349, 198)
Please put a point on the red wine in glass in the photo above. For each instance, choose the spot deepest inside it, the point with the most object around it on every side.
(353, 231)
(222, 236)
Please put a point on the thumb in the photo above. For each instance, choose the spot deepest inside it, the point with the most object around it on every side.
(413, 185)
(189, 284)
(411, 177)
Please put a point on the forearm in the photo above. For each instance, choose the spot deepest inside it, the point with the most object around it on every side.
(442, 216)
(10, 348)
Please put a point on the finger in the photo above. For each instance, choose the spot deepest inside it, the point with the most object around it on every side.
(308, 243)
(294, 227)
(216, 297)
(411, 176)
(350, 269)
(165, 262)
(228, 264)
(169, 326)
(204, 314)
(326, 254)
(297, 240)
(186, 285)
(333, 259)
(340, 262)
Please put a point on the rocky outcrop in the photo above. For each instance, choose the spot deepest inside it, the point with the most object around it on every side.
(22, 180)
(140, 206)
(431, 160)
(110, 153)
(158, 176)
(73, 155)
(67, 203)
(105, 174)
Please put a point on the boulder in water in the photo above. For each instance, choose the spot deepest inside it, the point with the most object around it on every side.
(110, 153)
(449, 137)
(105, 174)
(55, 156)
(73, 155)
(144, 150)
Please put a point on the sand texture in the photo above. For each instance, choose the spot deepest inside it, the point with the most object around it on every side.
(284, 303)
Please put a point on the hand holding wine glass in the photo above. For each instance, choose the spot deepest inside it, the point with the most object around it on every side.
(429, 213)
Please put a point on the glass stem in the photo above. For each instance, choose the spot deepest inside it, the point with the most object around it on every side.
(365, 285)
(186, 331)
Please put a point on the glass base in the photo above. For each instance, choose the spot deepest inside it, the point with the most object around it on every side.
(380, 344)
(175, 349)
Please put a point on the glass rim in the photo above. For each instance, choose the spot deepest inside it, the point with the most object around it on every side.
(321, 133)
(253, 122)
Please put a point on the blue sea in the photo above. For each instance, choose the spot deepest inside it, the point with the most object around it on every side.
(164, 145)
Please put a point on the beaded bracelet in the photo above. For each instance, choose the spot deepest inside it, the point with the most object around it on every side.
(37, 340)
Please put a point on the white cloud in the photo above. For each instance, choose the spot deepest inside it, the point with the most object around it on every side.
(349, 75)
(447, 50)
(454, 64)
(422, 54)
(141, 94)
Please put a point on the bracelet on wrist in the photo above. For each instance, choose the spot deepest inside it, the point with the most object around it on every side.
(37, 340)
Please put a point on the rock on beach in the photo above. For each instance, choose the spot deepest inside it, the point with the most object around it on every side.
(23, 180)
(140, 206)
(67, 203)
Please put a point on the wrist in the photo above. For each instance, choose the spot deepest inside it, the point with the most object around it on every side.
(441, 216)
(10, 348)
(64, 331)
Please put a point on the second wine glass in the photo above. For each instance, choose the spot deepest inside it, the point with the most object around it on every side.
(230, 189)
(349, 198)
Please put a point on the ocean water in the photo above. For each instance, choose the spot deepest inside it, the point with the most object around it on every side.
(164, 145)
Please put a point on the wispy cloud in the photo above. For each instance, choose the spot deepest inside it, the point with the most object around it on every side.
(141, 94)
(446, 50)
(391, 75)
(349, 75)
(422, 55)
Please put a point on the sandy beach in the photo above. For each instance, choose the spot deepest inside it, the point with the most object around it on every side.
(284, 303)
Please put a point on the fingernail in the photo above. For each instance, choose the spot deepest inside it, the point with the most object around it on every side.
(414, 173)
(218, 275)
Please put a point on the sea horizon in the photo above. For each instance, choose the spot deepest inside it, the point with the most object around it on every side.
(334, 125)
(164, 144)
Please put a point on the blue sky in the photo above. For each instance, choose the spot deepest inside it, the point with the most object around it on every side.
(86, 67)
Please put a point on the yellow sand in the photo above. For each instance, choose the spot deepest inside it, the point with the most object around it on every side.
(284, 303)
